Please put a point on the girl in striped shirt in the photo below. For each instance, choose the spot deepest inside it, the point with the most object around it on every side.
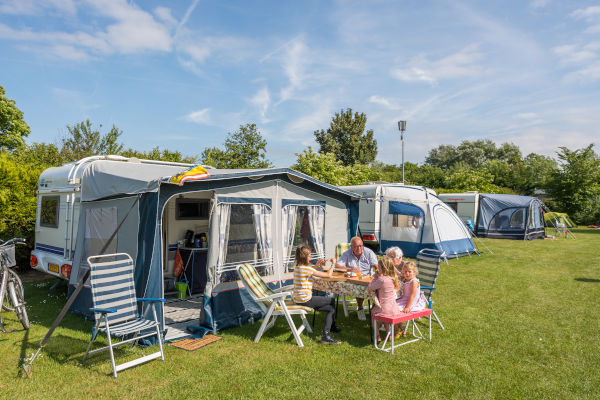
(302, 294)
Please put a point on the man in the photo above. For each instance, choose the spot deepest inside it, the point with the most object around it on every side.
(358, 259)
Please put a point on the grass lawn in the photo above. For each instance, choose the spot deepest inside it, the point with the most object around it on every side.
(521, 323)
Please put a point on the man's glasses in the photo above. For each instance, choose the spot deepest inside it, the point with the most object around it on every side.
(356, 246)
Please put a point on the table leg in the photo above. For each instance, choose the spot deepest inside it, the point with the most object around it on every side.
(370, 319)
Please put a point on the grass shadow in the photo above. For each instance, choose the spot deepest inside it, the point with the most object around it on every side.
(23, 355)
(587, 280)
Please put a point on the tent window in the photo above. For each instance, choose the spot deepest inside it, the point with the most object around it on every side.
(406, 221)
(242, 243)
(49, 211)
(248, 239)
(511, 218)
(303, 234)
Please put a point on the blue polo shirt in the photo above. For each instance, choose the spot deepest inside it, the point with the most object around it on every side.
(364, 263)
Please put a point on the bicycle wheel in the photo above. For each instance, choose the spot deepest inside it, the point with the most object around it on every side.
(16, 297)
(7, 303)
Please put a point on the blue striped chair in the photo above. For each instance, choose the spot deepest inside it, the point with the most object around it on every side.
(428, 264)
(115, 308)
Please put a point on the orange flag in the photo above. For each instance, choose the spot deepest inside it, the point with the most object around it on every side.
(178, 267)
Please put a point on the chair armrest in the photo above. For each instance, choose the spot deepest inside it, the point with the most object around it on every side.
(103, 310)
(151, 299)
(283, 289)
(275, 296)
(427, 288)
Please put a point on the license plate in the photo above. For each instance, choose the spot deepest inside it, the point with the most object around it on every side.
(53, 268)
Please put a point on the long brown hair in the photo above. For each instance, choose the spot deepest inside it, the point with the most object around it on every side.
(302, 256)
(386, 265)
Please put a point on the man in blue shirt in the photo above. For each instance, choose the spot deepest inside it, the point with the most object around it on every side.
(358, 259)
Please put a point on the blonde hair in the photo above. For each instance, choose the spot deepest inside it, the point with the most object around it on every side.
(386, 265)
(412, 266)
(302, 256)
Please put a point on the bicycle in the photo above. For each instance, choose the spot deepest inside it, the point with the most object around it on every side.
(12, 293)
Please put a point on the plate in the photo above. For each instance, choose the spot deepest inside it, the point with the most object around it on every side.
(53, 268)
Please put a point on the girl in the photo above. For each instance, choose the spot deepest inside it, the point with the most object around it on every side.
(385, 284)
(302, 293)
(412, 298)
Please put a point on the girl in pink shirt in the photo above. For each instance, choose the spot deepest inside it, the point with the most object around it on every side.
(385, 284)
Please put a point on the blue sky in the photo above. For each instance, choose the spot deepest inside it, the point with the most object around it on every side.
(183, 74)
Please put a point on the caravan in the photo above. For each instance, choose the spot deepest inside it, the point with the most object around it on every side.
(466, 205)
(225, 219)
(411, 217)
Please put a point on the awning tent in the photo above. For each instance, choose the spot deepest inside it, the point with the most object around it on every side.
(269, 199)
(507, 216)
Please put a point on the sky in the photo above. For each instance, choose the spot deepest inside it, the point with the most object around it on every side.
(183, 74)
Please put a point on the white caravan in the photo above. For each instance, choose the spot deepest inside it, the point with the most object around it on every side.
(466, 205)
(57, 214)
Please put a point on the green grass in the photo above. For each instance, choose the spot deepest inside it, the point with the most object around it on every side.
(521, 323)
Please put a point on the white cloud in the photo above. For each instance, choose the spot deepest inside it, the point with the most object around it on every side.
(199, 117)
(589, 14)
(460, 64)
(527, 115)
(382, 101)
(539, 3)
(262, 101)
(37, 7)
(293, 67)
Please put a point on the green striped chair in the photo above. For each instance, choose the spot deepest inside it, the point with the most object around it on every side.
(273, 303)
(347, 304)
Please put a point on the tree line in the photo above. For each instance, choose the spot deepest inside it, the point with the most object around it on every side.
(346, 156)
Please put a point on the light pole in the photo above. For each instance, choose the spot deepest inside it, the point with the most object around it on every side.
(402, 127)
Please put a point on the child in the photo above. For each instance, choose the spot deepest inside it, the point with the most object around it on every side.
(385, 284)
(412, 298)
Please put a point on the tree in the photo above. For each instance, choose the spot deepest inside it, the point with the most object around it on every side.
(347, 140)
(84, 141)
(160, 155)
(575, 185)
(534, 173)
(462, 178)
(326, 168)
(12, 126)
(245, 148)
(474, 154)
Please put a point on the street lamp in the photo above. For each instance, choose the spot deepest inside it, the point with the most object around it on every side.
(402, 127)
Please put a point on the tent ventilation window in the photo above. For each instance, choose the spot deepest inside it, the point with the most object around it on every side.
(305, 225)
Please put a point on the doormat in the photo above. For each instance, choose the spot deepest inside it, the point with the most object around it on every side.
(195, 344)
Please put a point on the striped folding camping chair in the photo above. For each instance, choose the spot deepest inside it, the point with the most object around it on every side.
(115, 308)
(428, 264)
(347, 304)
(273, 303)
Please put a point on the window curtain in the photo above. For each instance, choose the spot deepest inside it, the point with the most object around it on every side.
(262, 226)
(316, 218)
(288, 229)
(224, 214)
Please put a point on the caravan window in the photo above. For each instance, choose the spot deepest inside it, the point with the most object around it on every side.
(406, 221)
(49, 211)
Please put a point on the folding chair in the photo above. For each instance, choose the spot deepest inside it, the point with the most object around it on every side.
(115, 308)
(428, 263)
(347, 304)
(273, 304)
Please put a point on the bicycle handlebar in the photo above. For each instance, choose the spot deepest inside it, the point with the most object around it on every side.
(13, 241)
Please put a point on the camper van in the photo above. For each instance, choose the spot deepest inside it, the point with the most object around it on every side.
(466, 205)
(410, 217)
(210, 223)
(57, 214)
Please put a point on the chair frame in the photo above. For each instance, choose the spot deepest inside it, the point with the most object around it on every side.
(127, 327)
(404, 317)
(276, 308)
(427, 255)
